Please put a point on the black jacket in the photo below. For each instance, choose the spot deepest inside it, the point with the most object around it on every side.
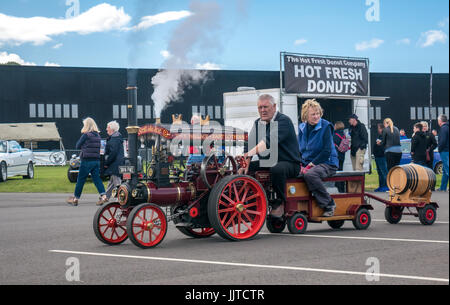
(378, 150)
(419, 147)
(287, 139)
(443, 138)
(89, 143)
(359, 137)
(389, 138)
(114, 156)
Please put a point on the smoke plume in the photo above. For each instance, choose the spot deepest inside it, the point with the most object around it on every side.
(196, 38)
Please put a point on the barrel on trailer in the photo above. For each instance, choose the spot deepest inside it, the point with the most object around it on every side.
(413, 179)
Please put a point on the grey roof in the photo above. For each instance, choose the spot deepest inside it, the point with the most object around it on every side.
(29, 131)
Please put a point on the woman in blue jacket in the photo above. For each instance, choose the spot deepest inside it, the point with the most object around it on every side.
(89, 143)
(318, 155)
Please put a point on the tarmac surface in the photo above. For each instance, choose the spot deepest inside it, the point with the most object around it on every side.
(42, 240)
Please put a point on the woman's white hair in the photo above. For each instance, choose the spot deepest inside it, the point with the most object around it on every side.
(114, 125)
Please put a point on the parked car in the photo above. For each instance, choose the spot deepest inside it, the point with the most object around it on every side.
(406, 156)
(15, 161)
(74, 168)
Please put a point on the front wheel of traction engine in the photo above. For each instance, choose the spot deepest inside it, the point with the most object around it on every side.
(147, 225)
(108, 225)
(237, 207)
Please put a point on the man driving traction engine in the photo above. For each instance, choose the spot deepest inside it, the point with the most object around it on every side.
(274, 141)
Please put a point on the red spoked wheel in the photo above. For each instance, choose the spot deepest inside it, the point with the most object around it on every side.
(109, 224)
(237, 207)
(213, 169)
(197, 232)
(147, 225)
(427, 215)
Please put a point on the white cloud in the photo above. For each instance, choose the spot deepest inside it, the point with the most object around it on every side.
(57, 46)
(100, 18)
(51, 64)
(11, 57)
(430, 37)
(300, 41)
(405, 41)
(39, 30)
(149, 21)
(166, 54)
(208, 66)
(365, 45)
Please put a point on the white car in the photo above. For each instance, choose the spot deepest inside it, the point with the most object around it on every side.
(15, 161)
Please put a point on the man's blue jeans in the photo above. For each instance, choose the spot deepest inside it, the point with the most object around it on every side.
(382, 171)
(86, 167)
(444, 181)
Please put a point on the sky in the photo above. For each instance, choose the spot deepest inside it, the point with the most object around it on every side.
(395, 35)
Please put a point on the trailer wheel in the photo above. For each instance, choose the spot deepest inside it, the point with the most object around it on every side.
(362, 219)
(147, 225)
(336, 224)
(106, 227)
(237, 207)
(275, 225)
(427, 215)
(197, 232)
(392, 214)
(297, 223)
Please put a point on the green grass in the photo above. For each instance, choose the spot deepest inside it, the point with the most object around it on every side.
(48, 179)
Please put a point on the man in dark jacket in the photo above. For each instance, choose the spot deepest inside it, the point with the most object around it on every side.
(380, 161)
(358, 133)
(419, 146)
(276, 148)
(443, 149)
(431, 144)
(114, 156)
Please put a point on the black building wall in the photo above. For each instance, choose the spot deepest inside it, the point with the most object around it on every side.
(100, 93)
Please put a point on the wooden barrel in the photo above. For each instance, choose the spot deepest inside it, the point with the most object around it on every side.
(418, 179)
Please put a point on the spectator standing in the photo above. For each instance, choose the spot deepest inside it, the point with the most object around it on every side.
(431, 144)
(358, 133)
(380, 161)
(443, 140)
(114, 156)
(89, 143)
(340, 141)
(391, 142)
(419, 145)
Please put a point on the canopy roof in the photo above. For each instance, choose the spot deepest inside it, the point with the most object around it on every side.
(29, 131)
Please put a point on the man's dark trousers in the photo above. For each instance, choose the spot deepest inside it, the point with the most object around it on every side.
(278, 175)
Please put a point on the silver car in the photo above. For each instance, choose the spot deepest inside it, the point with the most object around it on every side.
(15, 161)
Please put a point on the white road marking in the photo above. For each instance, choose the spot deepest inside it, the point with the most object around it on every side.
(361, 238)
(411, 221)
(293, 268)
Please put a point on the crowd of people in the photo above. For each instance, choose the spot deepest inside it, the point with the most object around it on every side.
(387, 150)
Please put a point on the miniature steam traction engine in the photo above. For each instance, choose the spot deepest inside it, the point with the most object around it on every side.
(206, 196)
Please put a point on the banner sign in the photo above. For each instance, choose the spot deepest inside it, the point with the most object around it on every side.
(50, 157)
(325, 75)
